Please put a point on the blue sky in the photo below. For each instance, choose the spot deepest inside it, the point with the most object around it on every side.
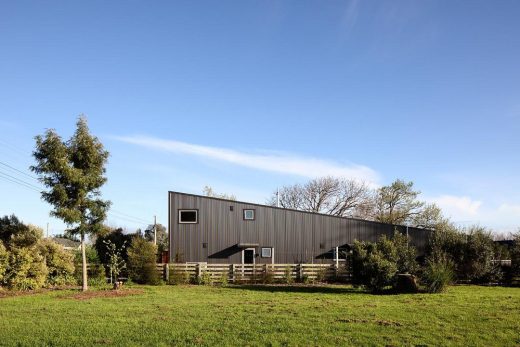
(246, 96)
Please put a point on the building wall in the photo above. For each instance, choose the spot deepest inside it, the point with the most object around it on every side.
(296, 236)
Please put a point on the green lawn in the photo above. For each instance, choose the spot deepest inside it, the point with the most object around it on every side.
(295, 316)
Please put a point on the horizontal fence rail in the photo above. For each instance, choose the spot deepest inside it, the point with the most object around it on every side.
(253, 273)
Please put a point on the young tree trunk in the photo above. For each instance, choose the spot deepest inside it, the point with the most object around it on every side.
(84, 263)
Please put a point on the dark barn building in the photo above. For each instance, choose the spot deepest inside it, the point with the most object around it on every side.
(213, 230)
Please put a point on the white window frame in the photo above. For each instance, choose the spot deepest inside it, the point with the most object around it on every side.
(247, 210)
(270, 249)
(188, 210)
(254, 255)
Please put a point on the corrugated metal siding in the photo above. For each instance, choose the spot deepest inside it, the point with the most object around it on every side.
(295, 236)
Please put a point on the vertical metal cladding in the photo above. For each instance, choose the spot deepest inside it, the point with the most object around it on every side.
(295, 236)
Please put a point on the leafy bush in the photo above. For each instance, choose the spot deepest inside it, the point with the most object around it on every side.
(268, 276)
(223, 280)
(406, 254)
(116, 237)
(4, 261)
(320, 275)
(515, 257)
(60, 263)
(376, 265)
(438, 274)
(204, 278)
(380, 272)
(26, 269)
(116, 263)
(287, 275)
(141, 261)
(96, 275)
(27, 237)
(96, 271)
(306, 279)
(14, 233)
(471, 250)
(178, 276)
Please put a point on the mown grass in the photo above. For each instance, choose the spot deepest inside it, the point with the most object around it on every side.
(293, 316)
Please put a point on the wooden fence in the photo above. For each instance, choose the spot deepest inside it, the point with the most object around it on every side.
(252, 273)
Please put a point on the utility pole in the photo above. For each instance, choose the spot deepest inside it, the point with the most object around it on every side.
(277, 197)
(155, 230)
(47, 229)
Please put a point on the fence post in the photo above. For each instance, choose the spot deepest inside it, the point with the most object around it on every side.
(197, 271)
(300, 272)
(232, 277)
(166, 274)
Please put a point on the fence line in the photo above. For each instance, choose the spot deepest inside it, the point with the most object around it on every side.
(251, 273)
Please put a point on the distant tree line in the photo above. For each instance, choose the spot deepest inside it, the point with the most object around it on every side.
(453, 253)
(396, 203)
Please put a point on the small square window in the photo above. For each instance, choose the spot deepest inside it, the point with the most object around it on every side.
(266, 252)
(249, 214)
(188, 216)
(231, 208)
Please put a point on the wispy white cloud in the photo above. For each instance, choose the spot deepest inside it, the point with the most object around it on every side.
(464, 211)
(282, 163)
(459, 207)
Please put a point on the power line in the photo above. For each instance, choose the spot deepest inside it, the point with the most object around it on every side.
(21, 180)
(130, 219)
(20, 171)
(129, 216)
(114, 213)
(13, 147)
(18, 181)
(124, 219)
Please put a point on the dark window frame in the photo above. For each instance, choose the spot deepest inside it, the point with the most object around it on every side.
(188, 210)
(244, 214)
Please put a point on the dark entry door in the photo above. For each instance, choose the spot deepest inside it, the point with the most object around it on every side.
(249, 256)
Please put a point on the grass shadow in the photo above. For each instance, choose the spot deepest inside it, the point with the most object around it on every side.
(276, 288)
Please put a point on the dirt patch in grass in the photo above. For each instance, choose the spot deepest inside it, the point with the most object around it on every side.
(103, 294)
(4, 293)
(379, 322)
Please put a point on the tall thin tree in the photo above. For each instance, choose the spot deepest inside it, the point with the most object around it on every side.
(73, 171)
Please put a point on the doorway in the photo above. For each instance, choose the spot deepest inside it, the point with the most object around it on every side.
(248, 256)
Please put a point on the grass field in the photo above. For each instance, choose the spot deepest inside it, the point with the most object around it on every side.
(294, 316)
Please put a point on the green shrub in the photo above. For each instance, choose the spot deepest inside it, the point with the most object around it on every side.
(116, 264)
(204, 279)
(379, 271)
(16, 234)
(321, 275)
(26, 269)
(376, 265)
(267, 276)
(515, 257)
(471, 251)
(179, 276)
(141, 262)
(406, 255)
(28, 237)
(438, 274)
(223, 280)
(60, 263)
(287, 275)
(116, 237)
(4, 261)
